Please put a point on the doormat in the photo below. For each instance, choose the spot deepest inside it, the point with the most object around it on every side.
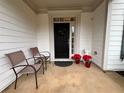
(63, 63)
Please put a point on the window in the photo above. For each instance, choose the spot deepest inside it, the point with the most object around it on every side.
(72, 42)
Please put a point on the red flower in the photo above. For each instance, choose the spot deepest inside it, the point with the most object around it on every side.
(87, 57)
(76, 57)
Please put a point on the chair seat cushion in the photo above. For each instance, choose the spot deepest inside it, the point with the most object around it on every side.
(29, 69)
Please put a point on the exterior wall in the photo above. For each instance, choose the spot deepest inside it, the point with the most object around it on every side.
(86, 32)
(43, 32)
(17, 32)
(114, 36)
(99, 17)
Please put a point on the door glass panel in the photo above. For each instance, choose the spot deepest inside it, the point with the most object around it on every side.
(72, 39)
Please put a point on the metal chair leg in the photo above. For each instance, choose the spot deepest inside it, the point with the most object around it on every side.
(16, 82)
(43, 67)
(36, 80)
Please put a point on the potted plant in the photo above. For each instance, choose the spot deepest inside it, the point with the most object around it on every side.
(77, 58)
(88, 60)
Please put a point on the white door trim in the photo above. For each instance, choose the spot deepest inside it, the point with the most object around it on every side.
(77, 36)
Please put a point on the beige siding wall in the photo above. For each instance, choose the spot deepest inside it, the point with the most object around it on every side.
(17, 32)
(114, 35)
(99, 17)
(86, 32)
(43, 32)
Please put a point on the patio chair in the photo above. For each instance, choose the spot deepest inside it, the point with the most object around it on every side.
(41, 55)
(20, 65)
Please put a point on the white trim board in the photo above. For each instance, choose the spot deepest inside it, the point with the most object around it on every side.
(76, 14)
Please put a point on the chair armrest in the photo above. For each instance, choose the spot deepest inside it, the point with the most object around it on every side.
(46, 52)
(29, 58)
(41, 56)
(24, 66)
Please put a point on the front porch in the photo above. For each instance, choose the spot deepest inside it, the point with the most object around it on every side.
(96, 26)
(71, 79)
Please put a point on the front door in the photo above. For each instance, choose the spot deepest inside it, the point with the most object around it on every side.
(61, 40)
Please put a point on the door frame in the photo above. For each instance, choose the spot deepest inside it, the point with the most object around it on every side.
(53, 14)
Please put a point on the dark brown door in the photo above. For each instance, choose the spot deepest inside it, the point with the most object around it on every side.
(61, 40)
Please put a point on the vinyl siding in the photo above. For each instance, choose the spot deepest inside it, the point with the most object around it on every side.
(17, 32)
(114, 32)
(86, 32)
(43, 32)
(99, 17)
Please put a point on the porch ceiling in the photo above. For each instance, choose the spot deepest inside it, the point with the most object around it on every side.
(41, 6)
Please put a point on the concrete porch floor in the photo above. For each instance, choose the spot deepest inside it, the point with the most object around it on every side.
(71, 79)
